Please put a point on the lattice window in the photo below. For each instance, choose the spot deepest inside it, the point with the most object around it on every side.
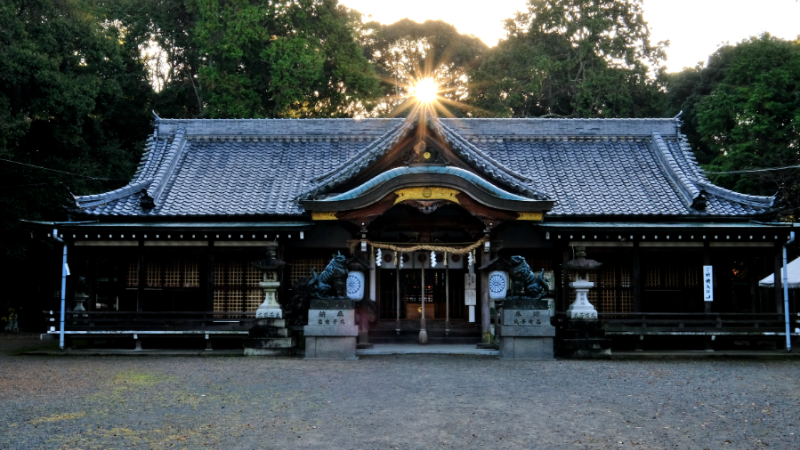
(191, 274)
(219, 300)
(172, 274)
(301, 268)
(691, 276)
(625, 301)
(608, 300)
(607, 277)
(537, 265)
(253, 299)
(625, 277)
(229, 300)
(133, 274)
(671, 277)
(235, 274)
(236, 287)
(234, 302)
(652, 277)
(153, 274)
(220, 278)
(252, 276)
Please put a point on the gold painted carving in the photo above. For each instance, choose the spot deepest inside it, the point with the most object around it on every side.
(427, 193)
(533, 216)
(321, 215)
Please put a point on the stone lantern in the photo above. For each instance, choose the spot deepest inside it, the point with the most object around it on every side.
(80, 297)
(80, 294)
(581, 309)
(270, 336)
(271, 266)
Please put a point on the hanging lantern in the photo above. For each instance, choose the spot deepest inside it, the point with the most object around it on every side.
(498, 284)
(355, 285)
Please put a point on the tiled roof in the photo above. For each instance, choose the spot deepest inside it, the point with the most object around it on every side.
(589, 167)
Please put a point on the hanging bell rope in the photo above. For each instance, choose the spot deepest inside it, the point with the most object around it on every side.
(408, 248)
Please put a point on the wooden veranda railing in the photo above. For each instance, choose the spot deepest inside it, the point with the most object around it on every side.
(97, 322)
(688, 324)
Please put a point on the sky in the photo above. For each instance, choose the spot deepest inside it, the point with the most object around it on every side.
(695, 28)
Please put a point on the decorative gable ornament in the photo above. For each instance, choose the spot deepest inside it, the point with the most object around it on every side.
(422, 154)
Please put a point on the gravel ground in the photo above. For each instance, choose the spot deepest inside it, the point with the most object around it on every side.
(392, 402)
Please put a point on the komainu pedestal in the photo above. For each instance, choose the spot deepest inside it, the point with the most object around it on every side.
(526, 332)
(331, 331)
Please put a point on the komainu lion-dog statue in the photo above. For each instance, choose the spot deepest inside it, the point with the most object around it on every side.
(524, 282)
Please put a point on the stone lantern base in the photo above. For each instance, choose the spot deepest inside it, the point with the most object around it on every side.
(581, 308)
(269, 337)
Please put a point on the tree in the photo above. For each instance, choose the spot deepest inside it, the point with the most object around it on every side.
(73, 97)
(281, 59)
(742, 112)
(406, 51)
(252, 58)
(161, 30)
(573, 58)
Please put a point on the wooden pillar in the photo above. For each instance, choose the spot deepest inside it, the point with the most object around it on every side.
(209, 276)
(423, 333)
(565, 299)
(91, 283)
(485, 313)
(447, 294)
(707, 262)
(636, 275)
(558, 273)
(142, 276)
(397, 269)
(778, 271)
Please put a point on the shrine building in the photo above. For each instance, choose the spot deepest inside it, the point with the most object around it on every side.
(421, 205)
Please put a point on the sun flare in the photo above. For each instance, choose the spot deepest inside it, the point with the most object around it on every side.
(425, 90)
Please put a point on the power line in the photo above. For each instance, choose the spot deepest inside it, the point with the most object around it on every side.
(32, 184)
(766, 169)
(59, 171)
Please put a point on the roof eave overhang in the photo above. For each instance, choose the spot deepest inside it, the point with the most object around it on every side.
(286, 225)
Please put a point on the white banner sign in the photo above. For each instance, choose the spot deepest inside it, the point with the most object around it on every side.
(470, 297)
(470, 281)
(708, 283)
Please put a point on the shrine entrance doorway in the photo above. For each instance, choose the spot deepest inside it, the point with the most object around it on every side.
(439, 306)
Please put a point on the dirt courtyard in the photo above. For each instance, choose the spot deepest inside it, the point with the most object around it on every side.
(392, 402)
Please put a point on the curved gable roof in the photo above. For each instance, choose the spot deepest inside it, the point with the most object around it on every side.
(588, 167)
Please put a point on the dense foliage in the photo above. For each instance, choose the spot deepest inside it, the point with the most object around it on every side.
(73, 97)
(742, 112)
(242, 58)
(407, 50)
(573, 58)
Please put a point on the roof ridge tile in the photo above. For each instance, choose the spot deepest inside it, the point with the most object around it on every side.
(167, 167)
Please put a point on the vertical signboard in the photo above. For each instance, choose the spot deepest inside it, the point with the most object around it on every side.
(708, 283)
(470, 294)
